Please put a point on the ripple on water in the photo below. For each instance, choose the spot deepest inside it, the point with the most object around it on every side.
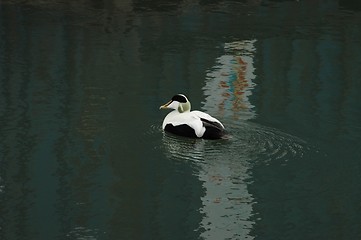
(184, 148)
(248, 141)
(267, 144)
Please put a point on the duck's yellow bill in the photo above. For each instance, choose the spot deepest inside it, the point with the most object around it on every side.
(165, 106)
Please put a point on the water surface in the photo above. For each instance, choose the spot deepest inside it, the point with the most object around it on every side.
(82, 153)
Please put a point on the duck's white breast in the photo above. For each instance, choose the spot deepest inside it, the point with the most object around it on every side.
(189, 118)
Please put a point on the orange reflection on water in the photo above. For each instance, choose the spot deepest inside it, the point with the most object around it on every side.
(230, 82)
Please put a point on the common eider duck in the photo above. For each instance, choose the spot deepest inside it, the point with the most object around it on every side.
(184, 122)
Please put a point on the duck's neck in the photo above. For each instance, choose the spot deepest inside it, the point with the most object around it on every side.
(184, 107)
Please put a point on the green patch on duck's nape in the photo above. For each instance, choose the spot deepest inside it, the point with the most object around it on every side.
(184, 107)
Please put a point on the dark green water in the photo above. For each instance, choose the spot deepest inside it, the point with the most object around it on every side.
(82, 153)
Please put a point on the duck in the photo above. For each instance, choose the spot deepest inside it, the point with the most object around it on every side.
(195, 124)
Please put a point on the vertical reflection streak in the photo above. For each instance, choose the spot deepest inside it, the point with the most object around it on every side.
(229, 83)
(227, 204)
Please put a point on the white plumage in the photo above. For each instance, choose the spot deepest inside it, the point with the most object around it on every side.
(182, 121)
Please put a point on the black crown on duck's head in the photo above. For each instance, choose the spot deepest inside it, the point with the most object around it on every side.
(180, 98)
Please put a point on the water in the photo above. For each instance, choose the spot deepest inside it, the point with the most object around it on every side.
(82, 153)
